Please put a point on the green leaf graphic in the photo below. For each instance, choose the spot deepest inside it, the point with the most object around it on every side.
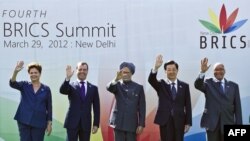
(210, 26)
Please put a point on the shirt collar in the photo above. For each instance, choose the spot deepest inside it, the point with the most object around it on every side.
(216, 80)
(125, 82)
(85, 81)
(170, 82)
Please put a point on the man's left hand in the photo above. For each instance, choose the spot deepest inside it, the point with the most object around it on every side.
(186, 128)
(139, 130)
(94, 129)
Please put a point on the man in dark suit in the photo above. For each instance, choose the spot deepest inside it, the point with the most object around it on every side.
(223, 105)
(174, 113)
(82, 96)
(128, 114)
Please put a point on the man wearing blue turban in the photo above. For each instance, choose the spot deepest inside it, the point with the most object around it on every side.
(128, 113)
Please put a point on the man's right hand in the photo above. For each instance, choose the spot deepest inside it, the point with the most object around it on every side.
(204, 66)
(118, 75)
(158, 62)
(69, 72)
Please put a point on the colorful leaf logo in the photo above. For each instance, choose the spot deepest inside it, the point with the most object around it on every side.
(223, 24)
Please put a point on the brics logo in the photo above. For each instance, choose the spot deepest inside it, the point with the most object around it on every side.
(223, 24)
(237, 132)
(217, 36)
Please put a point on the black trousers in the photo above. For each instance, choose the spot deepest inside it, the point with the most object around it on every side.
(217, 134)
(124, 135)
(170, 132)
(74, 134)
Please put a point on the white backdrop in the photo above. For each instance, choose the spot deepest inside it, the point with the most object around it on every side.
(137, 31)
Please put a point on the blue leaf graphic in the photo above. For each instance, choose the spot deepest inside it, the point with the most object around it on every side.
(235, 26)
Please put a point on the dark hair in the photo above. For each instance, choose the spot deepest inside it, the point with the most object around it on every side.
(171, 62)
(34, 65)
(82, 63)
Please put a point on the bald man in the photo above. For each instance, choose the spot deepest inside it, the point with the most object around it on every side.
(223, 104)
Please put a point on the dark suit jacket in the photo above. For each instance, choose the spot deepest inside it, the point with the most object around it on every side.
(180, 108)
(35, 109)
(80, 110)
(130, 108)
(226, 107)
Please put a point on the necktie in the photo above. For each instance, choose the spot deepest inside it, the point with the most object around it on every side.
(82, 94)
(221, 87)
(173, 90)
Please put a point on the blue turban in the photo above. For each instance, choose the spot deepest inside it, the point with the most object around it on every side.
(130, 66)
